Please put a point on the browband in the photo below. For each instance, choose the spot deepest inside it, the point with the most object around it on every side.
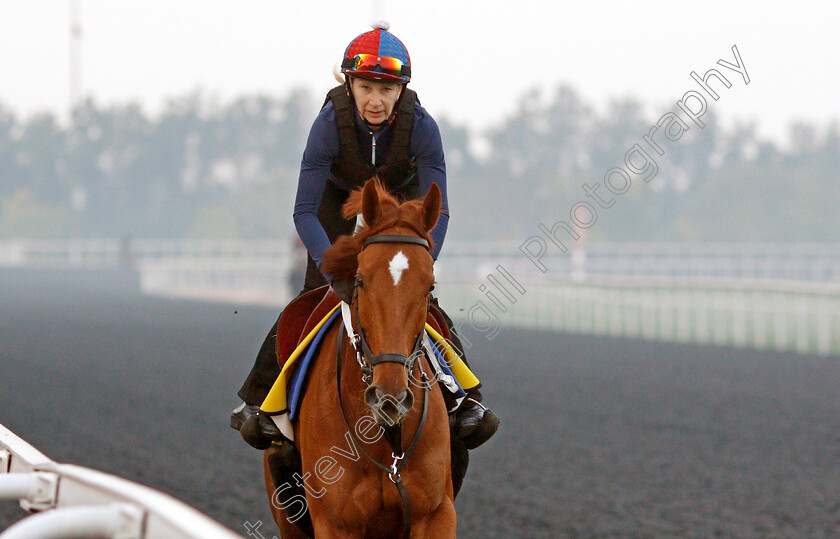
(395, 238)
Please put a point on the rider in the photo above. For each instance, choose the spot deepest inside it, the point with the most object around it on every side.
(372, 124)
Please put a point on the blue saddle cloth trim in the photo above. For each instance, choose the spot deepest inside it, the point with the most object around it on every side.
(299, 375)
(445, 368)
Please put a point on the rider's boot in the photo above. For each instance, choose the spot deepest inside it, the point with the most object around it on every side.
(241, 414)
(474, 422)
(260, 431)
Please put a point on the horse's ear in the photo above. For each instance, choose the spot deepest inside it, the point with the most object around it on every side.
(431, 207)
(371, 211)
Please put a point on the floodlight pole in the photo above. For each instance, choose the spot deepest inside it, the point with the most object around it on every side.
(75, 53)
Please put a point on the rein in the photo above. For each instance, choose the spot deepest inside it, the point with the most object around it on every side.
(367, 360)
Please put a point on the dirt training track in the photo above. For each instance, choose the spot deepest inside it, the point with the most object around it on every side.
(598, 438)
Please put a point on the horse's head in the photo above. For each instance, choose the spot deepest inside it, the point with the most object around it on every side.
(390, 265)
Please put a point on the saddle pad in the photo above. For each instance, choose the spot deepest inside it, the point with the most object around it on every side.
(298, 380)
(466, 379)
(275, 401)
(441, 362)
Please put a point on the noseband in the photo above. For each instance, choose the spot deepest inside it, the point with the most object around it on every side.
(367, 360)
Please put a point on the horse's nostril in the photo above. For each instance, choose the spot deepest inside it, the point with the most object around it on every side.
(406, 400)
(390, 407)
(372, 395)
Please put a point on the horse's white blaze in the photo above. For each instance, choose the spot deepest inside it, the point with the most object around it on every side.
(397, 266)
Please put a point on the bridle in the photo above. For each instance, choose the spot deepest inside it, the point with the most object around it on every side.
(364, 356)
(367, 361)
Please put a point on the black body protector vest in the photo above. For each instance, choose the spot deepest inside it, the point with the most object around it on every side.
(354, 171)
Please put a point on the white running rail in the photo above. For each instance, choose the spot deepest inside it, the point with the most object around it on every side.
(780, 296)
(73, 501)
(778, 261)
(791, 316)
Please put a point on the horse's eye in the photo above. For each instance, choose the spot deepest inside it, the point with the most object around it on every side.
(360, 283)
(432, 288)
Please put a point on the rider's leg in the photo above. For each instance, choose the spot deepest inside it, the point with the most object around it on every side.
(262, 376)
(256, 428)
(474, 422)
(263, 373)
(258, 382)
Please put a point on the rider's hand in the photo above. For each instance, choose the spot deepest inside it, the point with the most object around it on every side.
(343, 288)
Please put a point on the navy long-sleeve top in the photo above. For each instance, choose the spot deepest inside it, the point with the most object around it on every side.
(322, 150)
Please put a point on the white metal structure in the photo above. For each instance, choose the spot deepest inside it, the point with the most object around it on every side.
(72, 501)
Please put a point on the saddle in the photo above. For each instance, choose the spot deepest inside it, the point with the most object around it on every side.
(299, 317)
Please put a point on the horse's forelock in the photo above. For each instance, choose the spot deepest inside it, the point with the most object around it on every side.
(341, 259)
(353, 206)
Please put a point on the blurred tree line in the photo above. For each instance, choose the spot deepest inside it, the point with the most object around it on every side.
(203, 170)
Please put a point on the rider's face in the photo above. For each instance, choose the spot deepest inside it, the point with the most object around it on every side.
(375, 100)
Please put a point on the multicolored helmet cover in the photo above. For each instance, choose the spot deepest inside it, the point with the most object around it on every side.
(377, 55)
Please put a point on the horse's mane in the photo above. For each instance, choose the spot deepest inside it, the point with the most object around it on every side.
(341, 259)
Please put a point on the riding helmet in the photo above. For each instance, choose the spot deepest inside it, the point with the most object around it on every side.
(377, 55)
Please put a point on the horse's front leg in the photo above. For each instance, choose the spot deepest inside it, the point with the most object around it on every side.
(441, 523)
(324, 528)
(341, 510)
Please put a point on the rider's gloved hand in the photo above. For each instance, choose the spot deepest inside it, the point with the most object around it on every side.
(343, 288)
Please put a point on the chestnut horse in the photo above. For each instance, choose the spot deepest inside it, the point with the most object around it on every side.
(373, 431)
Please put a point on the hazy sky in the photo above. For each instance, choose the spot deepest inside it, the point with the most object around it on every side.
(472, 60)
